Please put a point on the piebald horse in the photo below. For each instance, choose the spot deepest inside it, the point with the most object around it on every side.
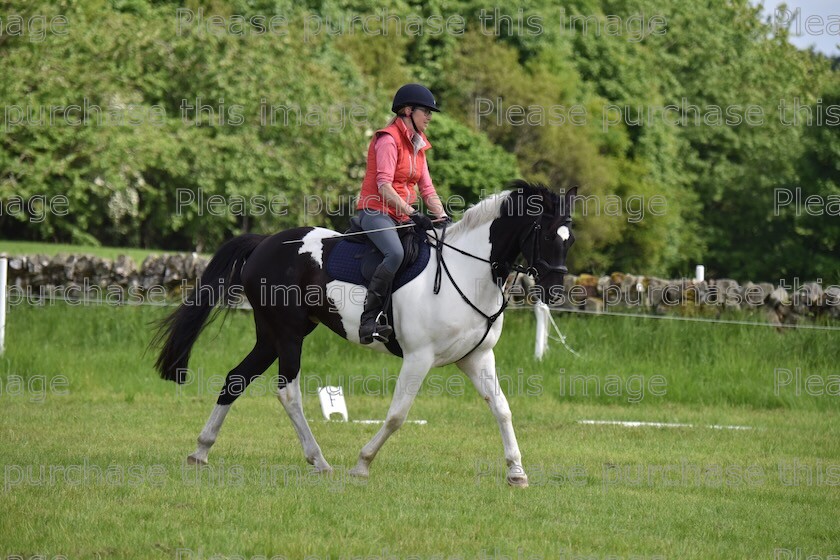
(450, 313)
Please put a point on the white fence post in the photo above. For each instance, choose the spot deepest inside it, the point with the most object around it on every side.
(4, 264)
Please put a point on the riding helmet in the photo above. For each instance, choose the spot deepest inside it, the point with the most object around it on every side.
(411, 95)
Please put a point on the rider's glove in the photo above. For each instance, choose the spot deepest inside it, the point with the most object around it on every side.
(423, 222)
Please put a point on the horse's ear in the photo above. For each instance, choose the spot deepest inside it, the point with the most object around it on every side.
(569, 198)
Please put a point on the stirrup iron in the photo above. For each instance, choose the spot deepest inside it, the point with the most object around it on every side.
(383, 331)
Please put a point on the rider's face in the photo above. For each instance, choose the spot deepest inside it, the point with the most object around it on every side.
(422, 116)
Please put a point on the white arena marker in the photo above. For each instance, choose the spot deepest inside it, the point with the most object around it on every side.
(332, 402)
(635, 424)
(418, 422)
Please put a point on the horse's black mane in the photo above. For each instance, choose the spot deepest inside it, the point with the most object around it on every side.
(532, 188)
(521, 193)
(510, 201)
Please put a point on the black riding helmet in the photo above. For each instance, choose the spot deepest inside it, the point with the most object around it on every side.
(414, 95)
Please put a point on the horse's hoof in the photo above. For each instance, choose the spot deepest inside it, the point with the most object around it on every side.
(518, 481)
(193, 460)
(327, 470)
(359, 472)
(319, 463)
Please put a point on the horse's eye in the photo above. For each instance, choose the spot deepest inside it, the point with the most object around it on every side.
(563, 232)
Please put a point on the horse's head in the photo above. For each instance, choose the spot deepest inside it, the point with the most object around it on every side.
(536, 223)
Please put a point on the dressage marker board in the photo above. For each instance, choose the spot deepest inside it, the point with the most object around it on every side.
(332, 402)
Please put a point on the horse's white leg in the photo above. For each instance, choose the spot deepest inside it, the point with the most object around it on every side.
(480, 367)
(412, 373)
(208, 435)
(292, 400)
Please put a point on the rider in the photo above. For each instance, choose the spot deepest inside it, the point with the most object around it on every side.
(396, 164)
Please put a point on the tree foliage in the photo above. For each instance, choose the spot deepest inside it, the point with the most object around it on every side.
(203, 134)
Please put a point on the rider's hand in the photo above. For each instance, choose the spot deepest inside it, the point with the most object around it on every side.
(422, 220)
(442, 221)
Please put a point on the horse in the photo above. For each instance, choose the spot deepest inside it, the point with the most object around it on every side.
(436, 321)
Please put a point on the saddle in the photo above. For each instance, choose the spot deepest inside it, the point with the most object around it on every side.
(353, 259)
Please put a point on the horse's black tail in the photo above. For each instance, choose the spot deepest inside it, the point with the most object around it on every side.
(220, 283)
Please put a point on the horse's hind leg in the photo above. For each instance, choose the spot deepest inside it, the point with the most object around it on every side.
(289, 395)
(254, 364)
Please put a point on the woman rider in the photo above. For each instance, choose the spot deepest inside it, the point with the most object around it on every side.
(396, 164)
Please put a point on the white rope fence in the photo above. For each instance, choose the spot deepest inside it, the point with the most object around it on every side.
(695, 319)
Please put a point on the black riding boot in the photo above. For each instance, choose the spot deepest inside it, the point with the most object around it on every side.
(374, 325)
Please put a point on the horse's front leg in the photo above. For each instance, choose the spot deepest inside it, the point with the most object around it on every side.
(412, 374)
(480, 367)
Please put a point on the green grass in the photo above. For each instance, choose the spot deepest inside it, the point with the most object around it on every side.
(51, 249)
(435, 489)
(100, 348)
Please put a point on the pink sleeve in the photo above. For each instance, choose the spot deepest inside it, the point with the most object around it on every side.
(425, 183)
(386, 159)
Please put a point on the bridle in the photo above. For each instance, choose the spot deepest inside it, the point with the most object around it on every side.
(498, 269)
(537, 262)
(502, 268)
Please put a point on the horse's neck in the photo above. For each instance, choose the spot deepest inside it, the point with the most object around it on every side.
(477, 278)
(475, 240)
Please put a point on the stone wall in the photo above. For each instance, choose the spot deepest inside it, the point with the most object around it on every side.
(166, 277)
(161, 276)
(783, 303)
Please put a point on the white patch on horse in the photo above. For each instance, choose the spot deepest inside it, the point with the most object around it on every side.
(563, 232)
(348, 300)
(312, 243)
(444, 321)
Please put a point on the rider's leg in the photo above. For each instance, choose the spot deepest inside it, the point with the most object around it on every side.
(388, 242)
(374, 325)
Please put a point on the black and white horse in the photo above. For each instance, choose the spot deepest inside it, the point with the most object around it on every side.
(450, 313)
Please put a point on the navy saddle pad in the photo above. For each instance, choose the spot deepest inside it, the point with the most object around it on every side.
(355, 263)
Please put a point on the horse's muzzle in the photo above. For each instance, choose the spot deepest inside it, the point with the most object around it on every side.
(556, 296)
(551, 292)
(541, 269)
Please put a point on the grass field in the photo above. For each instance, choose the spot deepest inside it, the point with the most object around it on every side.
(93, 447)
